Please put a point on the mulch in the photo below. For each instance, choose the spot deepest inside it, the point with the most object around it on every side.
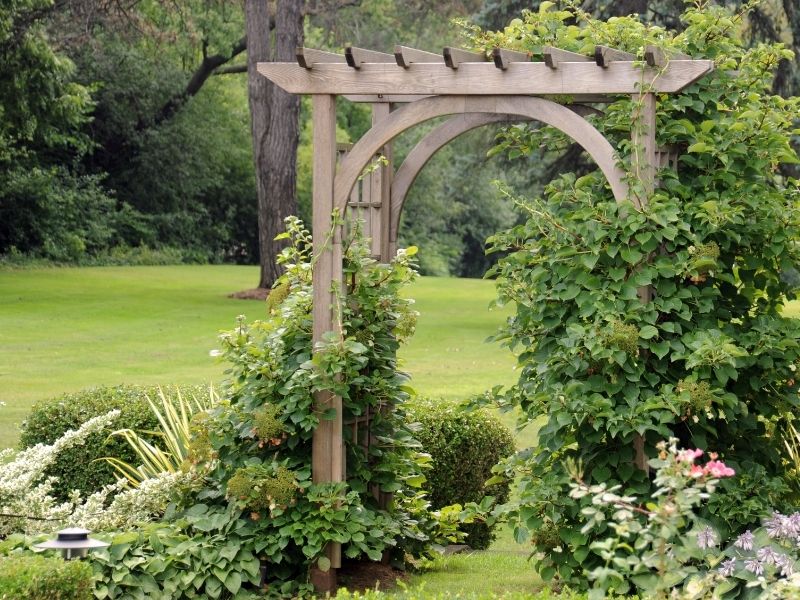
(254, 294)
(364, 575)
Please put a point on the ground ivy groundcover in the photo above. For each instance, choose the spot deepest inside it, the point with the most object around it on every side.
(710, 360)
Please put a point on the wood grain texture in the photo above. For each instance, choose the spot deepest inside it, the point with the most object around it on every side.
(519, 78)
(453, 57)
(657, 57)
(503, 58)
(548, 112)
(356, 57)
(605, 56)
(643, 136)
(383, 187)
(327, 455)
(308, 57)
(553, 57)
(406, 56)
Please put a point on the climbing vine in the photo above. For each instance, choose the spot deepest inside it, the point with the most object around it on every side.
(711, 359)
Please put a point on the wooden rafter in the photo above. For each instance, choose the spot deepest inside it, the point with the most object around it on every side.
(503, 58)
(355, 57)
(555, 56)
(604, 56)
(455, 56)
(657, 57)
(308, 57)
(519, 78)
(405, 56)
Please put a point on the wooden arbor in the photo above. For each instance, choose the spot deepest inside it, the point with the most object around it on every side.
(477, 90)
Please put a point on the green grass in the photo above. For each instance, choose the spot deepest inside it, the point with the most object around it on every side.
(66, 329)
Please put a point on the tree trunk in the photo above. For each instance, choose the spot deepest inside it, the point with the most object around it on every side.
(274, 116)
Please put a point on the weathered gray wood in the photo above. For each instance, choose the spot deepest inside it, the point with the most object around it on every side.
(382, 189)
(308, 57)
(327, 456)
(356, 57)
(405, 56)
(643, 159)
(503, 58)
(545, 111)
(553, 57)
(385, 98)
(453, 57)
(644, 164)
(604, 56)
(480, 79)
(657, 57)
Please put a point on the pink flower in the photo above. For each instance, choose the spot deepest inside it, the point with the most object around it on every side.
(717, 468)
(696, 472)
(688, 456)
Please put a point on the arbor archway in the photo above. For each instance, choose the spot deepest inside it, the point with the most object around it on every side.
(470, 85)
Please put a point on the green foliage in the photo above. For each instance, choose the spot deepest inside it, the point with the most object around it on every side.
(172, 446)
(82, 468)
(36, 577)
(261, 489)
(41, 109)
(658, 548)
(422, 594)
(257, 503)
(710, 360)
(464, 447)
(202, 554)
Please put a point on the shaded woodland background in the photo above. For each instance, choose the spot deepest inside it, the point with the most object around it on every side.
(126, 134)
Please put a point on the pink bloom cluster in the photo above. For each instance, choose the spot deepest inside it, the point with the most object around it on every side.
(713, 468)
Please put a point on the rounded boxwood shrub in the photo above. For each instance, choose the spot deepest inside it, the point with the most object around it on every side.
(464, 447)
(36, 577)
(81, 468)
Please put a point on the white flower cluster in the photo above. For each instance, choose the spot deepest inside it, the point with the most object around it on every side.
(131, 506)
(25, 500)
(27, 506)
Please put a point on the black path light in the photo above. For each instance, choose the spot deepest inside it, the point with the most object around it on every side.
(73, 542)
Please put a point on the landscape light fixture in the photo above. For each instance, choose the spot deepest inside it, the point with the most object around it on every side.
(73, 542)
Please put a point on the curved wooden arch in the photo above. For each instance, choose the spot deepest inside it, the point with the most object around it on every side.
(517, 107)
(434, 141)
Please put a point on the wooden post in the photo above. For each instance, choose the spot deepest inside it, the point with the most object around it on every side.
(643, 161)
(382, 189)
(327, 456)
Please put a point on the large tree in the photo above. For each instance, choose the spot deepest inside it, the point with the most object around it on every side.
(274, 117)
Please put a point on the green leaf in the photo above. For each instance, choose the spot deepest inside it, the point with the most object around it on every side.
(699, 147)
(647, 332)
(324, 564)
(233, 582)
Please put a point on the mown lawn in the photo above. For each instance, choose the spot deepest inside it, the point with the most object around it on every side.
(65, 329)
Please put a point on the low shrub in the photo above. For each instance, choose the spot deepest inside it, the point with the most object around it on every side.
(80, 468)
(464, 447)
(36, 577)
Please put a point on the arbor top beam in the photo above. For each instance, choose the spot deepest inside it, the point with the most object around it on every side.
(481, 78)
